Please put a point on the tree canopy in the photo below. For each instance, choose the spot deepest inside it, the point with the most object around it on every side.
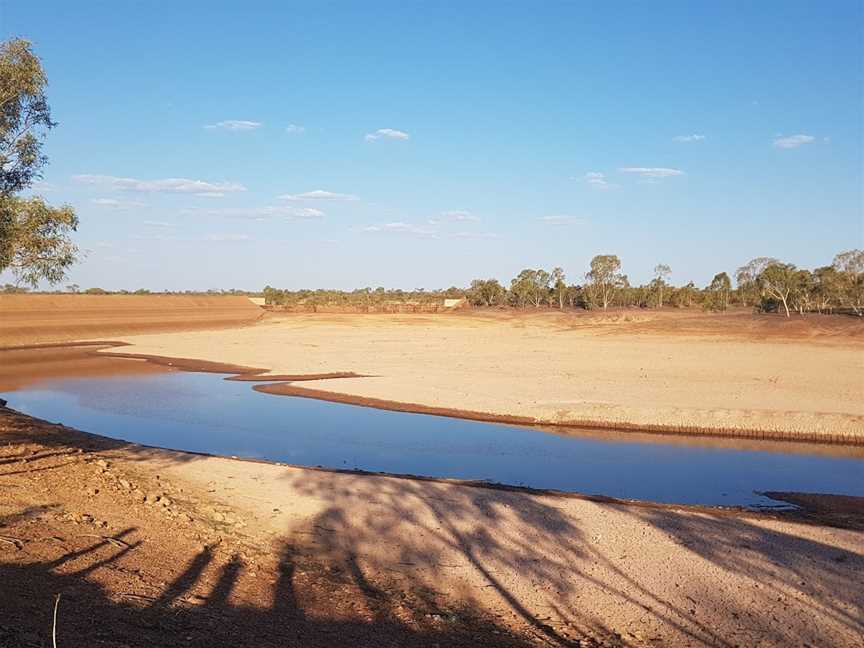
(604, 279)
(35, 241)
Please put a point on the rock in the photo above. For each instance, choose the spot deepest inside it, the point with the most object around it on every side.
(125, 484)
(139, 495)
(102, 463)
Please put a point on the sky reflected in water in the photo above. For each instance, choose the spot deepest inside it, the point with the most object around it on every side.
(203, 413)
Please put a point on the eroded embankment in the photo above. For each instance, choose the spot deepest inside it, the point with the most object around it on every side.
(40, 318)
(818, 436)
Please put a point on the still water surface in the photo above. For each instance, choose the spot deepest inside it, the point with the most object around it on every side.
(202, 412)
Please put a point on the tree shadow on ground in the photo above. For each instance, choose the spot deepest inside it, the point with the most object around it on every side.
(822, 580)
(524, 554)
(93, 615)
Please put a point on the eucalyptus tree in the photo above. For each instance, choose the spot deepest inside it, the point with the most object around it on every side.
(850, 268)
(605, 279)
(575, 296)
(718, 290)
(559, 286)
(779, 281)
(661, 275)
(688, 292)
(530, 287)
(35, 241)
(803, 293)
(827, 289)
(747, 278)
(486, 292)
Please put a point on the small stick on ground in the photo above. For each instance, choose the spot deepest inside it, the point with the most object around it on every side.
(108, 539)
(137, 596)
(54, 628)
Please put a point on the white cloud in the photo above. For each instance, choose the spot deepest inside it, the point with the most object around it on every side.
(158, 237)
(294, 129)
(234, 125)
(260, 213)
(475, 235)
(562, 220)
(793, 141)
(41, 185)
(305, 213)
(403, 228)
(652, 172)
(166, 185)
(459, 215)
(387, 133)
(454, 216)
(598, 180)
(318, 194)
(113, 203)
(161, 224)
(230, 238)
(688, 138)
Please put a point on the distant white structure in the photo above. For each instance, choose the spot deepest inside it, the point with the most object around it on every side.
(455, 303)
(258, 301)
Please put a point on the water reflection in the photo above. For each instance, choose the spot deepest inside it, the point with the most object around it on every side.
(203, 413)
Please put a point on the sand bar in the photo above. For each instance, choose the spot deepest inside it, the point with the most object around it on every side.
(654, 373)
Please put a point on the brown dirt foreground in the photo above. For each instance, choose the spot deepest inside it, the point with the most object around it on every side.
(155, 548)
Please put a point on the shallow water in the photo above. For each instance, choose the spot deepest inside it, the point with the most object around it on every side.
(204, 413)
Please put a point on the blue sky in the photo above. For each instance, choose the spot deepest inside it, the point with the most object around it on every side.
(217, 145)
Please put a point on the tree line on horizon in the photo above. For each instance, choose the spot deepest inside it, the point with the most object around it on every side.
(765, 284)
